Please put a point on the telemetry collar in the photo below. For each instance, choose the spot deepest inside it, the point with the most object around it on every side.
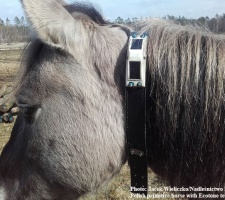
(136, 112)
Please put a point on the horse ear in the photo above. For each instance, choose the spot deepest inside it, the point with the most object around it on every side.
(53, 24)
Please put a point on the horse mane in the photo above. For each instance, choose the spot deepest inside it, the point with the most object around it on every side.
(186, 108)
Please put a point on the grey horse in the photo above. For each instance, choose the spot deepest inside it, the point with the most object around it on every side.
(69, 137)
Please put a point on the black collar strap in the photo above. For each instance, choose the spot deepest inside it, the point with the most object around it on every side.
(136, 112)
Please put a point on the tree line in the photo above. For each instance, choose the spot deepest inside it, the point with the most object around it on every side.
(215, 24)
(18, 30)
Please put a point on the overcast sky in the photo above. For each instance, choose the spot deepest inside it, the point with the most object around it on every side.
(136, 8)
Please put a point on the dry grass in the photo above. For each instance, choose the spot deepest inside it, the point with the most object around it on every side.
(9, 63)
(118, 188)
(5, 130)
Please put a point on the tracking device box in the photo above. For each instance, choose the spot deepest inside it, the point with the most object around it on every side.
(136, 60)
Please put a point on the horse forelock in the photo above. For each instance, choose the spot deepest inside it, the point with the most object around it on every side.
(88, 9)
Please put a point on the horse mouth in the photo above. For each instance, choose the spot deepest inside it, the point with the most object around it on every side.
(30, 112)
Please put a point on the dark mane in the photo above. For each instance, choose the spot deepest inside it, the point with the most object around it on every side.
(88, 9)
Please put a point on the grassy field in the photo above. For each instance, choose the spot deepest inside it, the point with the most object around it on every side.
(9, 63)
(118, 188)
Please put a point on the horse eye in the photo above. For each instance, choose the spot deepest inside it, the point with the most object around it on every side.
(29, 112)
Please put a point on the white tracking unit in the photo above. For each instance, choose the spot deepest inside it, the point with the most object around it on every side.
(136, 60)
